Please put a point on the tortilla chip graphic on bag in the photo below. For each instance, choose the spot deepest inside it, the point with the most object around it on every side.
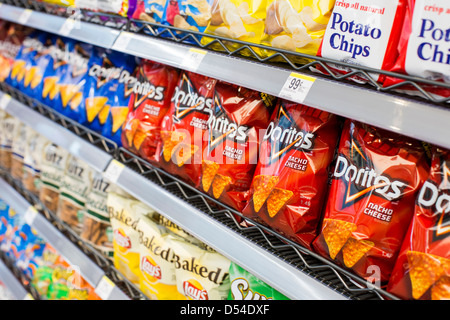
(54, 91)
(277, 200)
(103, 114)
(17, 68)
(425, 270)
(119, 115)
(441, 290)
(30, 76)
(184, 152)
(68, 91)
(93, 107)
(263, 186)
(209, 170)
(36, 80)
(139, 138)
(171, 139)
(76, 101)
(49, 83)
(354, 250)
(336, 234)
(219, 184)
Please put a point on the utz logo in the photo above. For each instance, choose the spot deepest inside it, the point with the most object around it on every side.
(187, 100)
(284, 135)
(150, 269)
(121, 239)
(194, 290)
(437, 198)
(361, 179)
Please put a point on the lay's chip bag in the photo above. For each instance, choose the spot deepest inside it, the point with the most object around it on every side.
(290, 180)
(158, 280)
(296, 25)
(371, 200)
(150, 11)
(107, 87)
(183, 127)
(422, 270)
(201, 273)
(235, 129)
(125, 214)
(149, 102)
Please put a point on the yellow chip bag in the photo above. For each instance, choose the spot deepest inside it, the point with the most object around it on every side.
(296, 25)
(237, 19)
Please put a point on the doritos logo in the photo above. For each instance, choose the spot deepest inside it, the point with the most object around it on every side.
(150, 269)
(187, 100)
(121, 239)
(108, 72)
(194, 290)
(438, 199)
(146, 90)
(285, 135)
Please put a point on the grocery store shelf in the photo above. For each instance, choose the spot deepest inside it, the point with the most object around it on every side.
(54, 132)
(98, 35)
(74, 256)
(11, 282)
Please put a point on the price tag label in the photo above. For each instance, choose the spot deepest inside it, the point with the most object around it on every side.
(296, 87)
(28, 297)
(104, 288)
(4, 101)
(30, 215)
(193, 59)
(24, 16)
(67, 27)
(112, 173)
(122, 41)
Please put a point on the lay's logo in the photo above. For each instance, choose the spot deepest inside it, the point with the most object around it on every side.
(121, 239)
(194, 290)
(150, 269)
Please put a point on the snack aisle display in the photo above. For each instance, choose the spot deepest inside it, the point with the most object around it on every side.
(200, 134)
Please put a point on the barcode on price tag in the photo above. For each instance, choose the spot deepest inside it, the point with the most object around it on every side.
(30, 215)
(4, 101)
(67, 27)
(24, 16)
(112, 173)
(193, 59)
(296, 87)
(104, 288)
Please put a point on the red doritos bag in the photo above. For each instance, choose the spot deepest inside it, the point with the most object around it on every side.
(237, 122)
(149, 103)
(370, 205)
(184, 125)
(422, 270)
(290, 180)
(424, 46)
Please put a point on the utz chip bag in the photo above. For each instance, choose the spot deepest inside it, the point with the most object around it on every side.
(235, 129)
(97, 228)
(149, 102)
(20, 140)
(296, 25)
(424, 47)
(8, 129)
(125, 214)
(371, 201)
(32, 160)
(72, 82)
(158, 281)
(73, 192)
(201, 274)
(245, 286)
(422, 270)
(104, 102)
(182, 128)
(241, 20)
(53, 168)
(363, 33)
(290, 180)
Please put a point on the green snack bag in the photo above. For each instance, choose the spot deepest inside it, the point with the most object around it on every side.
(245, 286)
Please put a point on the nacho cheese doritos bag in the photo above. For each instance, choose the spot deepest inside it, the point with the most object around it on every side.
(422, 270)
(371, 201)
(235, 128)
(182, 128)
(424, 47)
(363, 33)
(149, 102)
(290, 180)
(296, 25)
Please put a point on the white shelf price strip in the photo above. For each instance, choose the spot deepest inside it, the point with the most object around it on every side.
(24, 16)
(193, 59)
(114, 170)
(296, 87)
(4, 101)
(105, 288)
(30, 215)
